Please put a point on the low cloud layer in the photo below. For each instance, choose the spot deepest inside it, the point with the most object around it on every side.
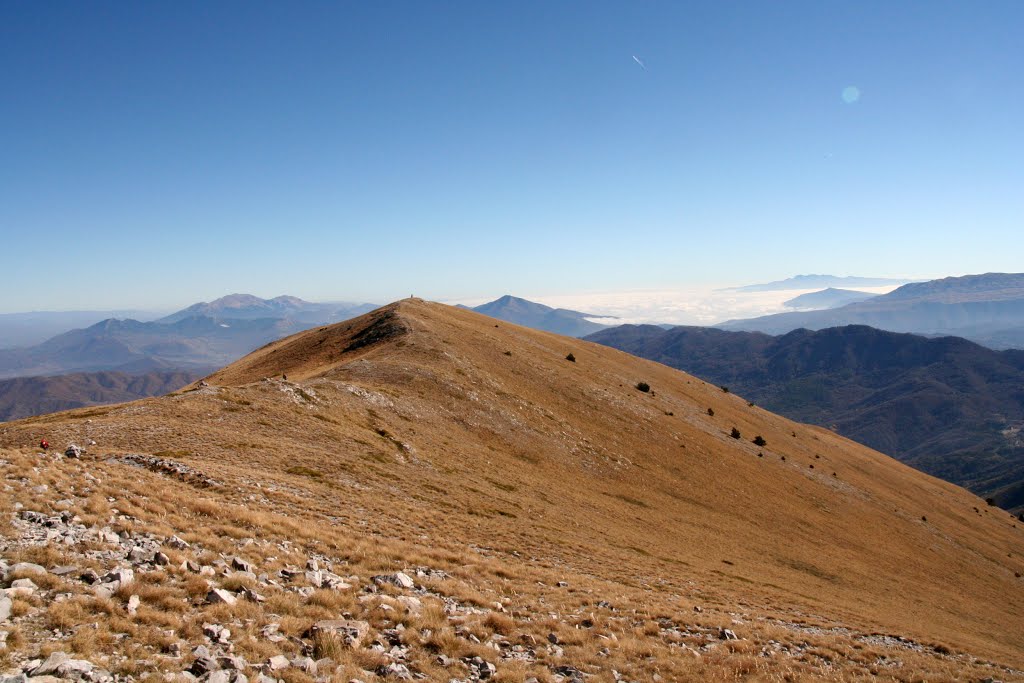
(692, 306)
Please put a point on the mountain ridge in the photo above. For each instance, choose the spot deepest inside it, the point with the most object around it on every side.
(598, 493)
(249, 307)
(987, 308)
(203, 335)
(819, 281)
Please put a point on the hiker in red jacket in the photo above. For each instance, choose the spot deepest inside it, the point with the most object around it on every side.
(44, 444)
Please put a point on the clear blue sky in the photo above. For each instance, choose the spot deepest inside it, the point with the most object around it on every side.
(158, 153)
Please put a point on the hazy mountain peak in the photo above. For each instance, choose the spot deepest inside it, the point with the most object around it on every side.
(830, 297)
(814, 281)
(541, 317)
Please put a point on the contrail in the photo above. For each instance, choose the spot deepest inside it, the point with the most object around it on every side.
(637, 60)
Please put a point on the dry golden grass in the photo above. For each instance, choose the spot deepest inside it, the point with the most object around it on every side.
(433, 448)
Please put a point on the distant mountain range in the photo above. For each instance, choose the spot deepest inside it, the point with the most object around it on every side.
(540, 317)
(28, 396)
(818, 282)
(202, 336)
(988, 309)
(827, 298)
(26, 329)
(947, 406)
(249, 307)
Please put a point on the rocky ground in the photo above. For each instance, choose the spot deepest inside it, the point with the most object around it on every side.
(105, 580)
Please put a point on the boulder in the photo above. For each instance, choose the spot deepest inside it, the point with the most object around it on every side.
(177, 543)
(203, 664)
(133, 604)
(396, 670)
(277, 663)
(349, 632)
(400, 579)
(50, 666)
(221, 596)
(64, 570)
(139, 555)
(241, 565)
(122, 576)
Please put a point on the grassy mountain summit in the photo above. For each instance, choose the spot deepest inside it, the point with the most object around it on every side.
(568, 518)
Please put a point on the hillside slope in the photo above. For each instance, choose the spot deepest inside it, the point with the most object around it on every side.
(947, 406)
(577, 521)
(27, 396)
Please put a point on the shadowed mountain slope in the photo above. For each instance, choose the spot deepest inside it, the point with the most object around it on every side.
(27, 396)
(438, 428)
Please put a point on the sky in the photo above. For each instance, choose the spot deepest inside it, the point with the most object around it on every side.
(161, 153)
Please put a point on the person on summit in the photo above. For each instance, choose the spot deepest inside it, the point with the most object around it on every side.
(44, 444)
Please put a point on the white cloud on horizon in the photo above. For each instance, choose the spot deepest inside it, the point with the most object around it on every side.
(690, 306)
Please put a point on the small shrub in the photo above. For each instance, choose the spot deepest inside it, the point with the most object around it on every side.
(571, 358)
(735, 433)
(759, 441)
(305, 472)
(711, 412)
(508, 353)
(724, 389)
(328, 645)
(643, 386)
(990, 501)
